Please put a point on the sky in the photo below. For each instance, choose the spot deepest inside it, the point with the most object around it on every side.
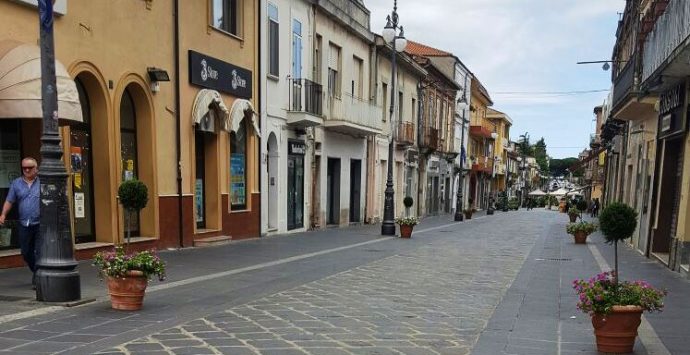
(517, 48)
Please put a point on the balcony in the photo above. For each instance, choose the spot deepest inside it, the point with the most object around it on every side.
(430, 140)
(623, 84)
(405, 134)
(482, 164)
(480, 131)
(353, 116)
(305, 108)
(667, 45)
(594, 141)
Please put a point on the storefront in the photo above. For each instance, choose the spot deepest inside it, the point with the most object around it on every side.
(672, 128)
(295, 184)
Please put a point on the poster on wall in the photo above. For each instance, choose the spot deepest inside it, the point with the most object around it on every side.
(79, 205)
(237, 180)
(199, 200)
(76, 159)
(9, 167)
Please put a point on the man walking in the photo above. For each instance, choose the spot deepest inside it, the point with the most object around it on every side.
(25, 192)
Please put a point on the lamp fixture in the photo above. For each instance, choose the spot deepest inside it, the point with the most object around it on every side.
(156, 75)
(606, 65)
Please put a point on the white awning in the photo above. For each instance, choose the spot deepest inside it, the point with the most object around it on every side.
(209, 102)
(240, 110)
(537, 192)
(20, 84)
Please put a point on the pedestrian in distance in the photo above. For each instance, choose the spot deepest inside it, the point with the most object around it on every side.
(25, 193)
(595, 208)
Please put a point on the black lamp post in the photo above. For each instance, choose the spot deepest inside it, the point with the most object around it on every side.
(462, 104)
(57, 279)
(397, 39)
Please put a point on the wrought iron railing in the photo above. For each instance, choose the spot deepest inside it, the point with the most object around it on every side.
(430, 138)
(405, 133)
(306, 96)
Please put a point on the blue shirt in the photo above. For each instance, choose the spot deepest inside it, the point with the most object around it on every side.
(27, 200)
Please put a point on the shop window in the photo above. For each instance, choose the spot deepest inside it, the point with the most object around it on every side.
(225, 15)
(128, 148)
(81, 168)
(238, 165)
(10, 169)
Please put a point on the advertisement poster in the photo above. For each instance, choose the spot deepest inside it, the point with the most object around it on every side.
(76, 159)
(199, 200)
(77, 180)
(237, 180)
(79, 205)
(10, 167)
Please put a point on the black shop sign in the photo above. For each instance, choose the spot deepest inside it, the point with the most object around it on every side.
(296, 147)
(212, 73)
(671, 115)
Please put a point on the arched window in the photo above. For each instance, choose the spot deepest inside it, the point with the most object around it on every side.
(81, 167)
(238, 167)
(128, 148)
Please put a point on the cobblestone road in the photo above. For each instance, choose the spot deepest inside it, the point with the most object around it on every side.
(435, 299)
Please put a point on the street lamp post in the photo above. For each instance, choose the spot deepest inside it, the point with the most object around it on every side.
(57, 279)
(459, 216)
(394, 35)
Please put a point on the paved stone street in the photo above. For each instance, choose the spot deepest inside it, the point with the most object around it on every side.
(432, 300)
(493, 285)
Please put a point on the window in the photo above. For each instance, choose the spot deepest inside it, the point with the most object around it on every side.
(296, 49)
(225, 15)
(384, 94)
(333, 70)
(413, 110)
(400, 107)
(238, 165)
(357, 77)
(318, 49)
(273, 40)
(128, 149)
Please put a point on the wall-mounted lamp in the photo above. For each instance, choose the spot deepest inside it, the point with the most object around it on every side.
(494, 135)
(156, 75)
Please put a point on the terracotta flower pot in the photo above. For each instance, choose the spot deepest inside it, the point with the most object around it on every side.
(406, 231)
(127, 293)
(580, 237)
(573, 218)
(468, 215)
(616, 331)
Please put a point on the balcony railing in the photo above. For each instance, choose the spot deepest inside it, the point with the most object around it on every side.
(429, 139)
(671, 30)
(405, 133)
(623, 83)
(483, 164)
(352, 115)
(306, 96)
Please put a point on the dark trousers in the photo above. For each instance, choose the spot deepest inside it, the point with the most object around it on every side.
(28, 241)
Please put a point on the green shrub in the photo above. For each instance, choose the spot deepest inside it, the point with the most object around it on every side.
(617, 222)
(408, 201)
(133, 195)
(581, 205)
(574, 211)
(586, 227)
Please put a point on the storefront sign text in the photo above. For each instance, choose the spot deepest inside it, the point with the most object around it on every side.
(218, 75)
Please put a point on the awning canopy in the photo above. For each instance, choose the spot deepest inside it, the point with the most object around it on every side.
(241, 109)
(20, 84)
(537, 192)
(208, 105)
(560, 192)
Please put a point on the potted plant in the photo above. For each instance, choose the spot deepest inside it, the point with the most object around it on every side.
(581, 205)
(133, 196)
(573, 213)
(469, 210)
(616, 307)
(490, 209)
(406, 225)
(580, 231)
(127, 275)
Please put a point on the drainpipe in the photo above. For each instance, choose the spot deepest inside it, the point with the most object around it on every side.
(178, 149)
(258, 103)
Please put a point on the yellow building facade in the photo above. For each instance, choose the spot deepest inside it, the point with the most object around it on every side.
(134, 66)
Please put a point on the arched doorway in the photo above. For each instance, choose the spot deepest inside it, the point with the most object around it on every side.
(273, 159)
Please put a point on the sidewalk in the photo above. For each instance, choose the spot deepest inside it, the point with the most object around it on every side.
(538, 314)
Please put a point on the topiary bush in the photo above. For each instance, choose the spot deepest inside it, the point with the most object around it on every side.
(581, 205)
(617, 222)
(408, 201)
(133, 196)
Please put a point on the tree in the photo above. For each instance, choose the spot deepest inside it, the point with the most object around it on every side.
(558, 167)
(540, 155)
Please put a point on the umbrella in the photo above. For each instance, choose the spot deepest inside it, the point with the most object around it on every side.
(537, 192)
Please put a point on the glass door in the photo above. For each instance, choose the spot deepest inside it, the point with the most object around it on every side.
(295, 198)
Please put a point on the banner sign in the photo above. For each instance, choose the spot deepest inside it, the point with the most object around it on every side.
(218, 75)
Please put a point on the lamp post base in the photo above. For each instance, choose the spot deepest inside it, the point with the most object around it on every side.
(458, 217)
(57, 285)
(388, 228)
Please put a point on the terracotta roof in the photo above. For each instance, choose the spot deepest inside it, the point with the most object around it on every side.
(415, 48)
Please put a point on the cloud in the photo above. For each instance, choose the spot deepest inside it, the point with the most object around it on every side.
(522, 45)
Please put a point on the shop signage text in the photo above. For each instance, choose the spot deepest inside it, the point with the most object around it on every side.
(296, 147)
(218, 75)
(671, 99)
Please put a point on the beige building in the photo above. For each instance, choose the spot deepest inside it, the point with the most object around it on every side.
(135, 124)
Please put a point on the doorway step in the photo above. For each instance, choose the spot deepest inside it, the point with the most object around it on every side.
(211, 241)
